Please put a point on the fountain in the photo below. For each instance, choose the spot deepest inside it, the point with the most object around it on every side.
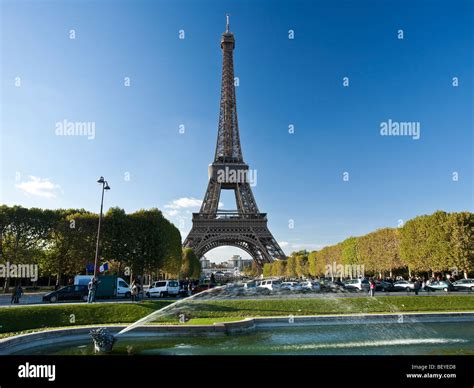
(104, 340)
(349, 331)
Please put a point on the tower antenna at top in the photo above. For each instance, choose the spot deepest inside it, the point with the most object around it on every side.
(227, 27)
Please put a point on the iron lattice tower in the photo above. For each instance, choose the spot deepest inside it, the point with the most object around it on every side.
(244, 227)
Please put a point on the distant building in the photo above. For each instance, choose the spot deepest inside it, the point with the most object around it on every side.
(236, 261)
(205, 263)
(231, 268)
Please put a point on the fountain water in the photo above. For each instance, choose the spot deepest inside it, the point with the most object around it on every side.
(104, 340)
(169, 308)
(380, 331)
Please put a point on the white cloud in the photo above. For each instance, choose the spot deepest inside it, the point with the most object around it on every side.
(180, 212)
(38, 187)
(185, 203)
(283, 244)
(182, 203)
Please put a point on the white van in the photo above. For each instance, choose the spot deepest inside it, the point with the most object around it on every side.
(162, 288)
(270, 284)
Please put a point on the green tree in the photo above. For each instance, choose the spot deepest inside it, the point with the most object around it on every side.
(461, 245)
(349, 251)
(254, 270)
(24, 234)
(302, 267)
(191, 267)
(315, 264)
(379, 251)
(425, 243)
(279, 268)
(268, 269)
(290, 270)
(116, 238)
(63, 241)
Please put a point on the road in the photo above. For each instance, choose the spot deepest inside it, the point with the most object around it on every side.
(36, 298)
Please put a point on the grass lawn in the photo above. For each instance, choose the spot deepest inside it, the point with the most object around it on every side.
(20, 319)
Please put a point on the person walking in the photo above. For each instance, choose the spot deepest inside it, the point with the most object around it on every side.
(134, 291)
(371, 287)
(19, 293)
(190, 288)
(417, 286)
(16, 295)
(13, 296)
(92, 286)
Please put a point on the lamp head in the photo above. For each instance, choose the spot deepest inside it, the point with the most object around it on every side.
(101, 180)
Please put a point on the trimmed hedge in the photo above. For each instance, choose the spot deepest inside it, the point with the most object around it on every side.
(33, 317)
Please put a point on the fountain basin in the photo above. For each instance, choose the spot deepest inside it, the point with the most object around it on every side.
(42, 341)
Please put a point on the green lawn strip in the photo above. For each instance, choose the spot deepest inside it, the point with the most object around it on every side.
(316, 306)
(208, 312)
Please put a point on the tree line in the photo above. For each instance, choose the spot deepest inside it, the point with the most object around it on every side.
(62, 242)
(440, 242)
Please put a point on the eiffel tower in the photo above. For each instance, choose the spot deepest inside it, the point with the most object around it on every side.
(245, 227)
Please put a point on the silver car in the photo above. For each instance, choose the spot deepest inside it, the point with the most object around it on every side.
(464, 285)
(403, 285)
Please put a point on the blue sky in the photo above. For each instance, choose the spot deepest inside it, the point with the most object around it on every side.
(48, 78)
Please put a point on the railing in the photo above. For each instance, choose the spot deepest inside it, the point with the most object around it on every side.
(229, 215)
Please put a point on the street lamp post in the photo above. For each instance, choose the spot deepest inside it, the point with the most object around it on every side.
(105, 186)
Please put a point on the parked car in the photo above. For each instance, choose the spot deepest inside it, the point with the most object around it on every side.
(383, 285)
(439, 285)
(403, 285)
(464, 285)
(358, 284)
(291, 286)
(311, 286)
(333, 286)
(74, 292)
(270, 284)
(163, 288)
(203, 287)
(250, 285)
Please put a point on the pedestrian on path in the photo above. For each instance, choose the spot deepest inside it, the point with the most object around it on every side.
(16, 295)
(92, 286)
(371, 287)
(13, 296)
(417, 286)
(134, 291)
